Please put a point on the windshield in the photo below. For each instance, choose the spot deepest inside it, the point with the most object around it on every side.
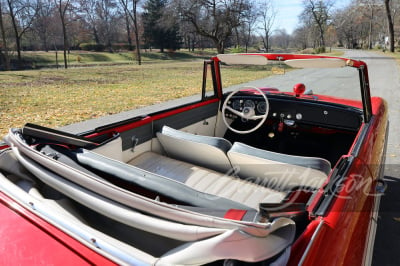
(342, 82)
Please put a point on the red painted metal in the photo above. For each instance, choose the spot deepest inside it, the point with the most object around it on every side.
(183, 109)
(342, 239)
(26, 239)
(122, 128)
(235, 214)
(149, 119)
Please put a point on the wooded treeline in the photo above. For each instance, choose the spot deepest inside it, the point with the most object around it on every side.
(112, 25)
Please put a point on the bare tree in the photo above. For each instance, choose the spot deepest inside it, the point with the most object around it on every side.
(132, 14)
(343, 21)
(369, 9)
(22, 14)
(62, 7)
(319, 11)
(189, 35)
(103, 19)
(42, 25)
(107, 16)
(214, 19)
(4, 40)
(245, 31)
(390, 25)
(267, 14)
(88, 10)
(281, 39)
(300, 37)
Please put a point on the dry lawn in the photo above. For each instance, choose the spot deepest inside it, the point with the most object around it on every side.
(55, 98)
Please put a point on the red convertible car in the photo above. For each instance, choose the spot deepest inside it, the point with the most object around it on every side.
(271, 172)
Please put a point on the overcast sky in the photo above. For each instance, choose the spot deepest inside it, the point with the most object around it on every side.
(289, 11)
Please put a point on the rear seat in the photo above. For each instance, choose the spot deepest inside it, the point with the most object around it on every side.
(207, 181)
(196, 164)
(162, 185)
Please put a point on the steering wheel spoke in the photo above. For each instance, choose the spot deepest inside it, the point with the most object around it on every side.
(235, 111)
(256, 117)
(250, 114)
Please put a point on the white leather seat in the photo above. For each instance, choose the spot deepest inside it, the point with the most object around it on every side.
(206, 151)
(208, 181)
(276, 170)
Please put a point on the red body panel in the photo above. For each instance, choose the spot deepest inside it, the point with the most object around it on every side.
(29, 240)
(150, 119)
(342, 238)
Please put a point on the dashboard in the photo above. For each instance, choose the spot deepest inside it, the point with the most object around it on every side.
(293, 111)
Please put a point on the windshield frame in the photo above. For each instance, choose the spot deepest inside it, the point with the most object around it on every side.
(331, 61)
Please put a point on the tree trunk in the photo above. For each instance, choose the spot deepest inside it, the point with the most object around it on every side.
(128, 32)
(321, 34)
(96, 36)
(220, 45)
(133, 16)
(237, 37)
(390, 25)
(64, 28)
(15, 27)
(3, 36)
(63, 10)
(137, 40)
(370, 29)
(266, 42)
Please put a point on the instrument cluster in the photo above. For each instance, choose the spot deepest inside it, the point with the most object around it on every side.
(240, 104)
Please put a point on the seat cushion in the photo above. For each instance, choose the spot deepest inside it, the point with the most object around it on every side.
(208, 181)
(276, 170)
(206, 151)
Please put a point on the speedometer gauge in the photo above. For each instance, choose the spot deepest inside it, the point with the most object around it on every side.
(236, 104)
(249, 103)
(262, 107)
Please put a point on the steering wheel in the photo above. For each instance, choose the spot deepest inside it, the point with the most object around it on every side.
(248, 113)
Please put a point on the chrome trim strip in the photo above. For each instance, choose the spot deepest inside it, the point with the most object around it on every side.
(319, 227)
(373, 225)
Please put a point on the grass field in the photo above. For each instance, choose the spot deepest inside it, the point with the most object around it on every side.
(114, 83)
(86, 58)
(57, 97)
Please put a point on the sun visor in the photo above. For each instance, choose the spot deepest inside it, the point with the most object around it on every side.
(241, 59)
(316, 63)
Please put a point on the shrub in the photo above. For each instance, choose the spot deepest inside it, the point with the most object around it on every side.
(122, 47)
(320, 50)
(92, 47)
(237, 50)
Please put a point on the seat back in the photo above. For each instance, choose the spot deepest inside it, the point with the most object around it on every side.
(276, 170)
(206, 151)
